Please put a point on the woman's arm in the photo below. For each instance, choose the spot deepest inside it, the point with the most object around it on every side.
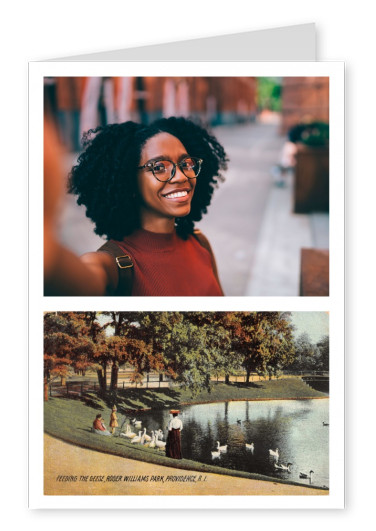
(64, 272)
(68, 274)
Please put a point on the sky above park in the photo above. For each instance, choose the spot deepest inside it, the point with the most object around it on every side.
(315, 324)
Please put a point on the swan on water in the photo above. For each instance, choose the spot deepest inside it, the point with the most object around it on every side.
(306, 476)
(325, 423)
(274, 453)
(283, 467)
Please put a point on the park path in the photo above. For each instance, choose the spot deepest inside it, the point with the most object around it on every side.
(63, 459)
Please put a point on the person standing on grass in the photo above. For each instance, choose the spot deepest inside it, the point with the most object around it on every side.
(113, 420)
(173, 444)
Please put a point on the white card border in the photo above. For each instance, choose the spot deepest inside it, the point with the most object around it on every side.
(334, 303)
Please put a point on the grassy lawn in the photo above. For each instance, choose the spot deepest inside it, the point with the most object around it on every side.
(70, 419)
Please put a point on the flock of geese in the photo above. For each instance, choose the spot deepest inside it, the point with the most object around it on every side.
(150, 441)
(155, 441)
(274, 454)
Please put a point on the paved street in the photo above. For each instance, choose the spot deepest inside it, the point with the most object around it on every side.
(255, 236)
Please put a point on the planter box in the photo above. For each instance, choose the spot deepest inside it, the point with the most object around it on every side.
(311, 188)
(314, 273)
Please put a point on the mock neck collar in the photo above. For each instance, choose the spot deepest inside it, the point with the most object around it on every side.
(153, 241)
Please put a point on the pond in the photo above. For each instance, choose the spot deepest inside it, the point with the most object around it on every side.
(295, 427)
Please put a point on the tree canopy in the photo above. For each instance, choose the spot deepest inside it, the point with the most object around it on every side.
(189, 347)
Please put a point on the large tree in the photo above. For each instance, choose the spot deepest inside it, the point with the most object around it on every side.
(66, 345)
(262, 339)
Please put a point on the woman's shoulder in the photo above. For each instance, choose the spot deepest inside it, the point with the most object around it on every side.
(202, 240)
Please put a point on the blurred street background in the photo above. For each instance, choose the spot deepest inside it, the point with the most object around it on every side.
(269, 220)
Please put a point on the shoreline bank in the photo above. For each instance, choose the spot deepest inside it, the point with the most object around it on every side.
(199, 403)
(68, 460)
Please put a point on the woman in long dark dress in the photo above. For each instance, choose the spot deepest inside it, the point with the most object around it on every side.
(173, 444)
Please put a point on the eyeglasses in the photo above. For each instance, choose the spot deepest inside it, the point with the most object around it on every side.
(165, 170)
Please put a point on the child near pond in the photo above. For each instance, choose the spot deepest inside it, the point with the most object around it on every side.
(99, 427)
(113, 420)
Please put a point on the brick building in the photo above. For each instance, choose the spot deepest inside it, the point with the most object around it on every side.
(216, 100)
(304, 99)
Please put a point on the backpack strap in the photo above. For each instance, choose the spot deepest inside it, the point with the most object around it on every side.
(204, 242)
(124, 267)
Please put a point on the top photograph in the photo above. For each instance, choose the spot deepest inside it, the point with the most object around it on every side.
(186, 186)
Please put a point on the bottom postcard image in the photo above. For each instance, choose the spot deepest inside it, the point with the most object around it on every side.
(186, 403)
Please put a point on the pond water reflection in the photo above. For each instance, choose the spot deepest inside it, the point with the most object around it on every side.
(295, 427)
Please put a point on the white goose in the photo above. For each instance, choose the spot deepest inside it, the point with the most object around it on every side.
(274, 453)
(152, 442)
(136, 423)
(159, 434)
(283, 467)
(147, 438)
(128, 433)
(159, 444)
(250, 447)
(216, 454)
(137, 439)
(221, 449)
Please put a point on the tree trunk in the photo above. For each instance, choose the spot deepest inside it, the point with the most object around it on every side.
(248, 374)
(227, 379)
(114, 376)
(102, 379)
(45, 388)
(63, 380)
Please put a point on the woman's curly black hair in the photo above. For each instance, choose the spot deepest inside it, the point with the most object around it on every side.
(105, 176)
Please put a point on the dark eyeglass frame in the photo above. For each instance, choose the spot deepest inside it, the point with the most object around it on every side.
(150, 166)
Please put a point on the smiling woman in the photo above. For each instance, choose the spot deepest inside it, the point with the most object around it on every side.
(144, 187)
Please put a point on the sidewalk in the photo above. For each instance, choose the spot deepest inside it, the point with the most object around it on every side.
(255, 234)
(276, 267)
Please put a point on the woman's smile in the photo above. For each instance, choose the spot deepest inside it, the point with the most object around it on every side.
(179, 195)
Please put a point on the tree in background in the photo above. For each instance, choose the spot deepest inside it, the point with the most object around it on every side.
(219, 340)
(323, 346)
(262, 339)
(66, 345)
(269, 92)
(307, 354)
(182, 346)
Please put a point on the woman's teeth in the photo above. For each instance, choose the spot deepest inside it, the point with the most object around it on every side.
(176, 194)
